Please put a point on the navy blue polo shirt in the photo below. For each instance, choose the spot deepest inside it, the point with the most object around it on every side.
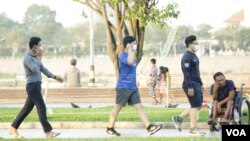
(190, 69)
(223, 92)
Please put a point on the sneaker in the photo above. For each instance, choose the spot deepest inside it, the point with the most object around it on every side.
(195, 132)
(15, 135)
(177, 122)
(152, 128)
(111, 131)
(52, 134)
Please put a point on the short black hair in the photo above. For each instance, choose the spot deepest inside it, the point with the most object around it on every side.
(73, 62)
(218, 74)
(166, 69)
(189, 40)
(153, 61)
(34, 41)
(162, 69)
(128, 40)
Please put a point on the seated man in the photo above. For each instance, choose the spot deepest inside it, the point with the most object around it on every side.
(223, 94)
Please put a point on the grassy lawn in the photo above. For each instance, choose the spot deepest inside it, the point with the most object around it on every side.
(99, 114)
(128, 139)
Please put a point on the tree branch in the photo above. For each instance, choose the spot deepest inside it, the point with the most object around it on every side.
(108, 26)
(123, 14)
(90, 5)
(125, 29)
(112, 26)
(117, 13)
(132, 24)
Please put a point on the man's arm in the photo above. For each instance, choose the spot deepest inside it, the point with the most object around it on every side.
(65, 75)
(215, 91)
(230, 97)
(79, 77)
(46, 71)
(31, 64)
(186, 64)
(131, 56)
(200, 81)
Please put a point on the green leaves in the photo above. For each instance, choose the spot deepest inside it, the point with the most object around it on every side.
(146, 11)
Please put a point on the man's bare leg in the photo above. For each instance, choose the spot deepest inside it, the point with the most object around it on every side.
(142, 114)
(113, 115)
(228, 109)
(185, 113)
(193, 117)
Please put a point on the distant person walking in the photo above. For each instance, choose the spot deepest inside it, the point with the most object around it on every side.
(33, 68)
(152, 81)
(192, 85)
(72, 76)
(126, 89)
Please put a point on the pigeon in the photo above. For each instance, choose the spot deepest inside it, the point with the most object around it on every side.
(74, 105)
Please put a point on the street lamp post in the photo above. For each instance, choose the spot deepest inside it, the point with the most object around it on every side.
(91, 51)
(91, 48)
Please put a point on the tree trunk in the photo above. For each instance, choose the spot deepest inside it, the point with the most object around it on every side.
(140, 34)
(111, 42)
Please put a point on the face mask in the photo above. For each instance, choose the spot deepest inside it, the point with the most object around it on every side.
(134, 47)
(196, 47)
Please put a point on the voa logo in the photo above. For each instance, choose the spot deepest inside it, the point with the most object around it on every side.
(236, 132)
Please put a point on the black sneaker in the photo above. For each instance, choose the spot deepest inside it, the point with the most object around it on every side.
(177, 122)
(152, 128)
(111, 131)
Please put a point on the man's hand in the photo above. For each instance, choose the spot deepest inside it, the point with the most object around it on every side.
(216, 86)
(190, 92)
(58, 78)
(39, 54)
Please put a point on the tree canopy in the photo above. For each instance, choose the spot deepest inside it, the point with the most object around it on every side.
(129, 17)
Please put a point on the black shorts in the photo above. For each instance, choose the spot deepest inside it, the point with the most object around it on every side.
(196, 100)
(124, 96)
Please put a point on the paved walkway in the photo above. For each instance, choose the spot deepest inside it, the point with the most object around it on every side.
(100, 133)
(93, 105)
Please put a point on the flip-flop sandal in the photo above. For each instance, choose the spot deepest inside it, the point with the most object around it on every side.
(53, 134)
(15, 135)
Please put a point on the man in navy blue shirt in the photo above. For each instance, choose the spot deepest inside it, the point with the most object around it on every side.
(192, 85)
(223, 94)
(126, 88)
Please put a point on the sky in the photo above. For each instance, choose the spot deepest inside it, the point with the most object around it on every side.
(193, 12)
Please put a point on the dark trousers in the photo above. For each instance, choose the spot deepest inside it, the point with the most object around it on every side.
(34, 98)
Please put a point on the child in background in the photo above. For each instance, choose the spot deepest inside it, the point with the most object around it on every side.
(162, 89)
(153, 80)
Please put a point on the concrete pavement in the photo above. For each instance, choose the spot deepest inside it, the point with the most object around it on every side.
(86, 105)
(100, 133)
(97, 125)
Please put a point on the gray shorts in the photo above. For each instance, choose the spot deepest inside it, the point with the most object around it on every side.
(124, 96)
